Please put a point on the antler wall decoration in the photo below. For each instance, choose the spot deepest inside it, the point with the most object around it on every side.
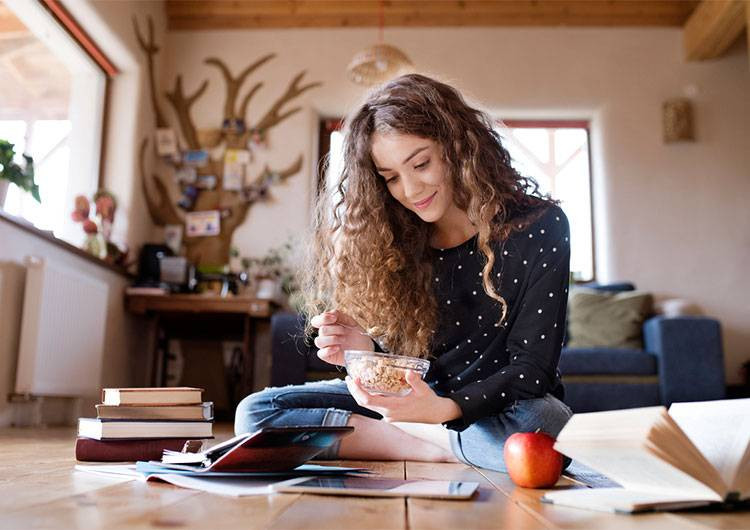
(234, 133)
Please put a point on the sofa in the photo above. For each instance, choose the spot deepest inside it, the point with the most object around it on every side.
(682, 360)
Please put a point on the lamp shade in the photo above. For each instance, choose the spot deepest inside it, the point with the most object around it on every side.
(377, 64)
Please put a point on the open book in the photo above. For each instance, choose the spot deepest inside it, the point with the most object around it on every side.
(697, 454)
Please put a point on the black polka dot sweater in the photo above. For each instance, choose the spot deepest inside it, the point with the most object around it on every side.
(484, 366)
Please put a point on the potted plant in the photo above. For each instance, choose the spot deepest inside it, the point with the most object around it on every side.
(23, 177)
(272, 275)
(99, 228)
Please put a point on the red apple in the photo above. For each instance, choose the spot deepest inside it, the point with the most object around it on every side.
(531, 460)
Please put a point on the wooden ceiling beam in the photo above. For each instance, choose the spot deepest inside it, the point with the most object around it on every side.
(259, 14)
(713, 27)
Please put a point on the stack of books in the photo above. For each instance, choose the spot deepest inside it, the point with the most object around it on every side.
(140, 423)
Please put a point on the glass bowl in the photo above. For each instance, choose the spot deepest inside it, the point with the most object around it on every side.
(383, 373)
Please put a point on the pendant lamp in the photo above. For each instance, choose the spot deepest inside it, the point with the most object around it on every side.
(378, 63)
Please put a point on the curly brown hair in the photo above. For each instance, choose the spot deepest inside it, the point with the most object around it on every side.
(368, 255)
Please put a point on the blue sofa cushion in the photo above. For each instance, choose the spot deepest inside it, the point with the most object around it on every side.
(593, 397)
(597, 361)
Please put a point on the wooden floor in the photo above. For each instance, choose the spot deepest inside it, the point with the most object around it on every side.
(40, 489)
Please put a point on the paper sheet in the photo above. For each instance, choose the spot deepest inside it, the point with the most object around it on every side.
(233, 487)
(719, 429)
(212, 482)
(148, 468)
(121, 471)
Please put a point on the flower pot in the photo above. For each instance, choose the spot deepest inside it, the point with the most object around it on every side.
(268, 289)
(4, 185)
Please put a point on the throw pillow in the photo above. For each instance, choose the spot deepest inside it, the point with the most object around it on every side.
(612, 320)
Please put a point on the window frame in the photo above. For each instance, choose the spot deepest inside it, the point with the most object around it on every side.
(517, 123)
(88, 46)
(326, 127)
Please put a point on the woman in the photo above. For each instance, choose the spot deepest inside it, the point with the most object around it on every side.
(432, 245)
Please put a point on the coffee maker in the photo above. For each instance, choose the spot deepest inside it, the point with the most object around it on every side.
(159, 267)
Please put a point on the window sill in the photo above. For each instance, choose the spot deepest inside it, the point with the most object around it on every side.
(47, 236)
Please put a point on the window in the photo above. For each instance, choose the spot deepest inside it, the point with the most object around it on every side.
(331, 151)
(52, 109)
(554, 153)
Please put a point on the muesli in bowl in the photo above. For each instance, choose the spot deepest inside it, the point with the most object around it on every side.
(383, 373)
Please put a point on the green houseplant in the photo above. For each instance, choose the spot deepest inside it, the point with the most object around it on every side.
(275, 266)
(10, 172)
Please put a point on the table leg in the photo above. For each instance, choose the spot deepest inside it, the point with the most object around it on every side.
(156, 350)
(164, 356)
(249, 357)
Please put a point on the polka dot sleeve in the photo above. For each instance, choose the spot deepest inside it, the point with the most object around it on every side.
(535, 334)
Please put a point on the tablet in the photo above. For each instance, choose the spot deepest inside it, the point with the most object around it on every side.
(379, 487)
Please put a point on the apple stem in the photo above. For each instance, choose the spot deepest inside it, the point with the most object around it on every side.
(537, 431)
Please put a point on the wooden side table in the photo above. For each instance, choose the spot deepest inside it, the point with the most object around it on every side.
(192, 315)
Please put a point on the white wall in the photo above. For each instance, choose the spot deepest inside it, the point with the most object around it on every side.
(672, 218)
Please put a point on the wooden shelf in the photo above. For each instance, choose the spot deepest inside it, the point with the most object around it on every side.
(141, 304)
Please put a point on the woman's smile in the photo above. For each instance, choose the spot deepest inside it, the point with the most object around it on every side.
(424, 203)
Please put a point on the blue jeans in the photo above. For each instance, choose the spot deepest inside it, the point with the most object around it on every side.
(330, 403)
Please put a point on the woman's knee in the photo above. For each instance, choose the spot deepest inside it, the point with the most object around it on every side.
(547, 414)
(254, 410)
(482, 443)
(555, 415)
(291, 405)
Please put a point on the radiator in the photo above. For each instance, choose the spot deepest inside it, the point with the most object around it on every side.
(62, 332)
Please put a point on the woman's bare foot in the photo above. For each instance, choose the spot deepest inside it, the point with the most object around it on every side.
(378, 440)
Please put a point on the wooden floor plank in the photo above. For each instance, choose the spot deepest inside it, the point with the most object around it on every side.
(213, 511)
(491, 508)
(47, 487)
(42, 460)
(102, 508)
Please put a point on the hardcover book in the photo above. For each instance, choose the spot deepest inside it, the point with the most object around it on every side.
(152, 396)
(100, 429)
(203, 412)
(89, 450)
